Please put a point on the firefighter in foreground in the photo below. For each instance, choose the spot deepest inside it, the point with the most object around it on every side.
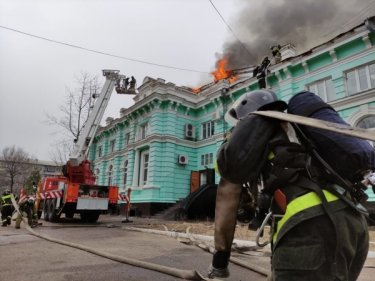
(6, 208)
(27, 208)
(307, 244)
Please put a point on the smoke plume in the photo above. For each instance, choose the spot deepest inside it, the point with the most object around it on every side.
(304, 23)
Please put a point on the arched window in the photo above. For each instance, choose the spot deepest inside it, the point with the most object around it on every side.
(110, 173)
(367, 122)
(125, 171)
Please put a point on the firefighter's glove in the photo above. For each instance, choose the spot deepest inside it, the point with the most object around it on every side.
(219, 266)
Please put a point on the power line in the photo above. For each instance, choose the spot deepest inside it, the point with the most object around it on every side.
(230, 29)
(100, 52)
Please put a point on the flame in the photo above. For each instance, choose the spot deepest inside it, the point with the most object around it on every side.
(222, 72)
(196, 90)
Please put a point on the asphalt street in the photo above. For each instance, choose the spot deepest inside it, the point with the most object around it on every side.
(24, 257)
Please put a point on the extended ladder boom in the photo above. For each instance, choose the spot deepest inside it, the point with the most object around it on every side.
(88, 132)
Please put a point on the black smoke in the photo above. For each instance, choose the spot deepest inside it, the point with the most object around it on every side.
(304, 23)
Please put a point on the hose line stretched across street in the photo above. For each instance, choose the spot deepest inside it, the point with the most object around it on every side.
(180, 273)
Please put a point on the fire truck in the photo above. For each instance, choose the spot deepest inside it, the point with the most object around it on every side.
(76, 191)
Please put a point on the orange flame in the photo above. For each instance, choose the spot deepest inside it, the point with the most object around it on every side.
(196, 90)
(222, 72)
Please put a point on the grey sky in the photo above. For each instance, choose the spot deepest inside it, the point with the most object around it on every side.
(187, 34)
(34, 73)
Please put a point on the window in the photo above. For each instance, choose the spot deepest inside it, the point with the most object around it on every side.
(97, 173)
(360, 79)
(143, 131)
(207, 159)
(110, 174)
(49, 169)
(125, 172)
(323, 88)
(208, 129)
(143, 175)
(112, 145)
(100, 151)
(127, 138)
(368, 123)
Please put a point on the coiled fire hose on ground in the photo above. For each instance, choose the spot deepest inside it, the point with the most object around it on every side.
(180, 273)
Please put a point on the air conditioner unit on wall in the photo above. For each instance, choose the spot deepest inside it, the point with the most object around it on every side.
(183, 159)
(189, 131)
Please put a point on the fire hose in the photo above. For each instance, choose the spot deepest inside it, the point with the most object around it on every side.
(191, 237)
(180, 273)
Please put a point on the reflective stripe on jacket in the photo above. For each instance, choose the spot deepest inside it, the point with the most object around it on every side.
(6, 200)
(299, 205)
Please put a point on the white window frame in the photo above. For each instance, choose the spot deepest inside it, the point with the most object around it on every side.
(112, 145)
(207, 159)
(370, 82)
(369, 129)
(97, 173)
(324, 95)
(125, 171)
(143, 131)
(208, 129)
(110, 174)
(127, 138)
(100, 151)
(144, 168)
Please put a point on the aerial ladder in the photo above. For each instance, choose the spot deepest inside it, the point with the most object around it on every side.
(76, 191)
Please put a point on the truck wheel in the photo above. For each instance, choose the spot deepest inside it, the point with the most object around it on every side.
(45, 210)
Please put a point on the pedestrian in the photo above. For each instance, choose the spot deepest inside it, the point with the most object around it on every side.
(317, 236)
(26, 207)
(6, 208)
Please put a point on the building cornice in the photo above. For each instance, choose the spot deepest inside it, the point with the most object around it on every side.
(354, 101)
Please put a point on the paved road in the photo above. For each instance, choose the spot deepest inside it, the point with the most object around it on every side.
(24, 257)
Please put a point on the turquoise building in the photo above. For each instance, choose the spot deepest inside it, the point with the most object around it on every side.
(163, 147)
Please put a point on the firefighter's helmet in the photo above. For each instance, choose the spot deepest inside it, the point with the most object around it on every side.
(31, 200)
(253, 101)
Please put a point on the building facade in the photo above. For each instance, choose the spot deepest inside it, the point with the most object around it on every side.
(164, 146)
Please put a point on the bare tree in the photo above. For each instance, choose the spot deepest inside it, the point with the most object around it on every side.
(14, 164)
(75, 112)
(62, 150)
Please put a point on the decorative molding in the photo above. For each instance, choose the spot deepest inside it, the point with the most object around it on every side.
(366, 39)
(305, 67)
(333, 55)
(362, 111)
(354, 101)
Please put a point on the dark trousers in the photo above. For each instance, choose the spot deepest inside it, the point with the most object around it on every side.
(307, 251)
(6, 214)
